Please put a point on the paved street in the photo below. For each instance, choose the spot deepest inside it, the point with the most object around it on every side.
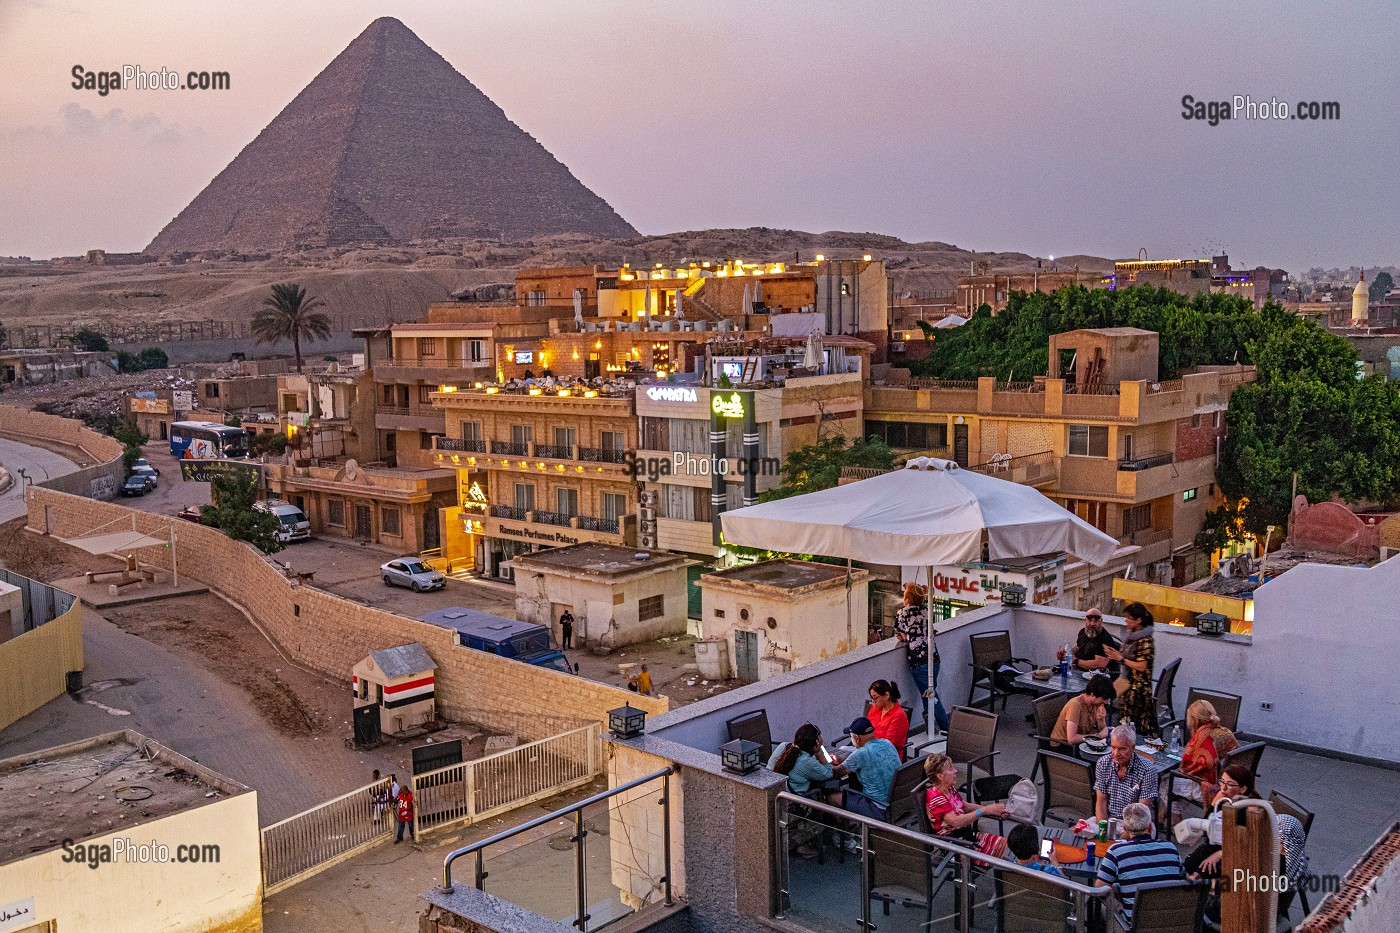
(40, 464)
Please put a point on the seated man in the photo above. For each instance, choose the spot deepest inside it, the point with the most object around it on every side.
(1137, 860)
(873, 764)
(1087, 714)
(1122, 776)
(1089, 646)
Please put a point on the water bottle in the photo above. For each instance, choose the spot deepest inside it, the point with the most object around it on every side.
(1174, 746)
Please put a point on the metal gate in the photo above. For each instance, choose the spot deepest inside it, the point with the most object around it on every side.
(746, 655)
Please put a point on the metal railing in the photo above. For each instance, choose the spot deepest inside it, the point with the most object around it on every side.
(439, 362)
(553, 518)
(473, 445)
(939, 851)
(579, 839)
(555, 451)
(509, 511)
(1147, 462)
(298, 847)
(605, 525)
(919, 382)
(510, 448)
(602, 455)
(474, 790)
(393, 410)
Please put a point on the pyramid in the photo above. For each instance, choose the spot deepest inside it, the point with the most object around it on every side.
(388, 143)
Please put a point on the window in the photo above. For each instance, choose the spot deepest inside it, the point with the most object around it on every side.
(389, 520)
(476, 351)
(388, 395)
(535, 297)
(425, 395)
(614, 440)
(471, 430)
(1138, 518)
(211, 390)
(909, 435)
(1127, 447)
(391, 439)
(335, 512)
(566, 501)
(652, 607)
(525, 497)
(427, 346)
(565, 437)
(614, 507)
(1188, 495)
(1087, 440)
(425, 439)
(1196, 421)
(520, 434)
(1215, 419)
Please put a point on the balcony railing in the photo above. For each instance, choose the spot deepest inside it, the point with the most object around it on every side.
(438, 362)
(1145, 463)
(602, 455)
(473, 445)
(510, 448)
(393, 409)
(552, 518)
(604, 525)
(509, 511)
(555, 451)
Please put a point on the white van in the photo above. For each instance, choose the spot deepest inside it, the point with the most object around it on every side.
(292, 522)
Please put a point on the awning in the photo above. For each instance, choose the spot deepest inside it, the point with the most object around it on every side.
(116, 542)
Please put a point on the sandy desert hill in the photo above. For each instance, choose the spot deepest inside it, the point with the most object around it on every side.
(370, 286)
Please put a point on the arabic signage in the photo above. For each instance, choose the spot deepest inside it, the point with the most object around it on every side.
(18, 915)
(981, 585)
(204, 471)
(150, 406)
(183, 400)
(731, 407)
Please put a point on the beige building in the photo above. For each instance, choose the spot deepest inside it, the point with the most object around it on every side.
(549, 467)
(119, 834)
(617, 595)
(328, 415)
(1101, 435)
(397, 510)
(777, 615)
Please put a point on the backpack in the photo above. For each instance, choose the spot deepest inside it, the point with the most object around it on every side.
(1022, 801)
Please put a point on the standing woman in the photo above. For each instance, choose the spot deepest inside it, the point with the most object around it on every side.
(911, 627)
(1137, 702)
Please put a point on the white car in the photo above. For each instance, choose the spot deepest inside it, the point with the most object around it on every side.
(412, 573)
(146, 470)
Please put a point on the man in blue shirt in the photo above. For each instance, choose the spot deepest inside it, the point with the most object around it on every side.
(1137, 860)
(873, 763)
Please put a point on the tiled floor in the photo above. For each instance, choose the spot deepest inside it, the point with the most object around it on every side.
(1354, 804)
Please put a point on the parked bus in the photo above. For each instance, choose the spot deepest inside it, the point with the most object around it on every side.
(205, 440)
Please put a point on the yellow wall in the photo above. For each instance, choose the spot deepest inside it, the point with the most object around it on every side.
(122, 897)
(34, 664)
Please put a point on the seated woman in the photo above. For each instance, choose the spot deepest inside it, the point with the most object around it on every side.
(1086, 715)
(1209, 743)
(810, 771)
(887, 716)
(948, 814)
(1237, 783)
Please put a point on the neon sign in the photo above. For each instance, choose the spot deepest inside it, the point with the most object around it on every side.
(733, 407)
(671, 394)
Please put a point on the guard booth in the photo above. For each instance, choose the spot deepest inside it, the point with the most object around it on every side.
(399, 682)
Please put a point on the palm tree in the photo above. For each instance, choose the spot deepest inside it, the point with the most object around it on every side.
(287, 314)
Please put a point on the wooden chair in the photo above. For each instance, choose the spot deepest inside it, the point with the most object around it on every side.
(972, 740)
(1031, 904)
(1046, 710)
(1287, 805)
(1069, 788)
(990, 651)
(1162, 693)
(754, 727)
(1166, 907)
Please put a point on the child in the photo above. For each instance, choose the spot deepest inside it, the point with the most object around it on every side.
(1024, 845)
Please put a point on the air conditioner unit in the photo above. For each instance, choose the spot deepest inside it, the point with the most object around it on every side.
(648, 527)
(648, 541)
(648, 514)
(649, 498)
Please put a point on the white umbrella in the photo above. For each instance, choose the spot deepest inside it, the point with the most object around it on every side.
(578, 307)
(646, 303)
(748, 299)
(680, 311)
(930, 512)
(758, 291)
(812, 358)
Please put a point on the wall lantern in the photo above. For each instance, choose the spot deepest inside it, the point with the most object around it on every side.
(739, 756)
(1013, 594)
(625, 722)
(1212, 623)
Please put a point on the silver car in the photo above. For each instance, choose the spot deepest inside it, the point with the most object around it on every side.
(412, 573)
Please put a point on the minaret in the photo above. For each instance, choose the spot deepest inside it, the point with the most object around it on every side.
(1360, 299)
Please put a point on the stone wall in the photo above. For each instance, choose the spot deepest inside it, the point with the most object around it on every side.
(331, 634)
(103, 473)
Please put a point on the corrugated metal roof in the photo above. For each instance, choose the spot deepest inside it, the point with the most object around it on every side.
(403, 660)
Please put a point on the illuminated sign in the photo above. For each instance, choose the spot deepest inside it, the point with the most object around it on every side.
(523, 357)
(671, 394)
(732, 407)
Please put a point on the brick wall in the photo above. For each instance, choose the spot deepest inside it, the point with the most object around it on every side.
(1198, 441)
(331, 634)
(100, 480)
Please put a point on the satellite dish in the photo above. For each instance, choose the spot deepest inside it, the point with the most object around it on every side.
(352, 469)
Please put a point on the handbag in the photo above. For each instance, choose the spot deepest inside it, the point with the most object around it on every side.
(1121, 684)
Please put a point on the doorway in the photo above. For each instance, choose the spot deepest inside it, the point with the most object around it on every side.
(960, 444)
(746, 656)
(364, 522)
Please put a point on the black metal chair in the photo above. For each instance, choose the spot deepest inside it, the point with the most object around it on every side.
(901, 871)
(990, 652)
(1162, 693)
(1284, 804)
(1069, 788)
(754, 727)
(972, 740)
(902, 806)
(1046, 711)
(1166, 907)
(1227, 707)
(1031, 904)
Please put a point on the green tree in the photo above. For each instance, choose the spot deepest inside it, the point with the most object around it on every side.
(818, 466)
(131, 440)
(233, 495)
(1380, 285)
(153, 358)
(88, 339)
(287, 314)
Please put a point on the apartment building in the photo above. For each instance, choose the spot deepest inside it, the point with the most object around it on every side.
(329, 415)
(537, 467)
(1130, 454)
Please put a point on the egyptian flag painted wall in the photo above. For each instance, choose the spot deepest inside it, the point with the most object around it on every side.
(413, 690)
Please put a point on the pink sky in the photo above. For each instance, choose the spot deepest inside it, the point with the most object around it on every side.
(993, 125)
